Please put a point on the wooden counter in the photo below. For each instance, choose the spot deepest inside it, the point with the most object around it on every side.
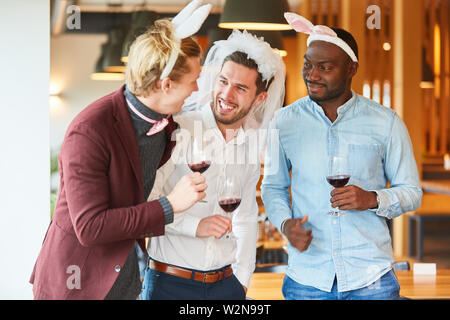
(436, 186)
(267, 286)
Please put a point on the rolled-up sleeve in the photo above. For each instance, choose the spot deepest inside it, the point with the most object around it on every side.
(405, 193)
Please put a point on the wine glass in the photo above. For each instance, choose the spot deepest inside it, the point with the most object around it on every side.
(338, 176)
(197, 158)
(229, 192)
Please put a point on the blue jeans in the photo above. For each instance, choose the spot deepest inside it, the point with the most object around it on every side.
(162, 286)
(386, 288)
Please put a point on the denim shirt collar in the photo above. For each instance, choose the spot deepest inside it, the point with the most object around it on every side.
(341, 109)
(347, 105)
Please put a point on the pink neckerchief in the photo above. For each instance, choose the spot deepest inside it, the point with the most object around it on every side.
(158, 125)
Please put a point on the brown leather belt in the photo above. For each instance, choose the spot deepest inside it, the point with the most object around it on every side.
(206, 277)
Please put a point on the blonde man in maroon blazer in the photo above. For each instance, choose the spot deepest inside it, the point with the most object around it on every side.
(107, 163)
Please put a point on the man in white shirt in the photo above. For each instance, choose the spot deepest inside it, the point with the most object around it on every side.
(243, 83)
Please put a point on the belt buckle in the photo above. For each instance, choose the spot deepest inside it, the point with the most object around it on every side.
(208, 274)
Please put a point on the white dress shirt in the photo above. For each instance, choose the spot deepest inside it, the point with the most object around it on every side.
(179, 246)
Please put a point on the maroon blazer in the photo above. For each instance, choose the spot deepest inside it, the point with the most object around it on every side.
(101, 210)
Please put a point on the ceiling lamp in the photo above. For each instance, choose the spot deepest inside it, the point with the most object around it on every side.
(99, 72)
(140, 22)
(112, 55)
(254, 15)
(215, 35)
(274, 38)
(108, 76)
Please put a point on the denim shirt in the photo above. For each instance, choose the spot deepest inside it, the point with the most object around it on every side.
(355, 248)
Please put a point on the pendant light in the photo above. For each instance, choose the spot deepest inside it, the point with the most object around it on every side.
(99, 72)
(140, 22)
(254, 15)
(112, 60)
(274, 38)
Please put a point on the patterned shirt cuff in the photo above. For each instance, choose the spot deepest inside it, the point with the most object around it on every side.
(383, 209)
(168, 210)
(282, 226)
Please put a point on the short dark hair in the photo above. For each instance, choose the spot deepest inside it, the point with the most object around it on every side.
(348, 39)
(242, 58)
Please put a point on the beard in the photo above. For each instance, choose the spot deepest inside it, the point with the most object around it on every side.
(242, 113)
(328, 95)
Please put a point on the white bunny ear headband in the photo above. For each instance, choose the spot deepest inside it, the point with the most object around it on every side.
(322, 33)
(187, 22)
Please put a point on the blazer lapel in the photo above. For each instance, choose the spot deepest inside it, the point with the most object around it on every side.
(125, 131)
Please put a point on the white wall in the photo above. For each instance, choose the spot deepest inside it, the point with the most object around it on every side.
(72, 60)
(24, 141)
(30, 127)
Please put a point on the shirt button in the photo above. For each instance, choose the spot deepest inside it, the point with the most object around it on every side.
(117, 268)
(334, 221)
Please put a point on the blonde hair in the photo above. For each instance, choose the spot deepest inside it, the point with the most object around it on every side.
(150, 53)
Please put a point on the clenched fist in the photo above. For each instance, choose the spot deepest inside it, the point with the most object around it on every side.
(190, 189)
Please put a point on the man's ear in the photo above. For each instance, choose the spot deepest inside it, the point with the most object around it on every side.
(353, 68)
(165, 84)
(260, 98)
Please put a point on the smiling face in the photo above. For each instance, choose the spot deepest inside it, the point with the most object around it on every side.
(171, 94)
(327, 72)
(184, 87)
(235, 93)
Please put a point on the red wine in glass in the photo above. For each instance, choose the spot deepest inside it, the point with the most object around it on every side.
(338, 176)
(229, 195)
(200, 167)
(197, 158)
(338, 181)
(229, 205)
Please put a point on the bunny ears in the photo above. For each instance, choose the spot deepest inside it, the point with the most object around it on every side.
(187, 22)
(322, 33)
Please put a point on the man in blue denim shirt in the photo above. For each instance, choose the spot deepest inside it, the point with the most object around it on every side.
(349, 256)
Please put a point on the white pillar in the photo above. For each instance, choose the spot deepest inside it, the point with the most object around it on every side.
(24, 141)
